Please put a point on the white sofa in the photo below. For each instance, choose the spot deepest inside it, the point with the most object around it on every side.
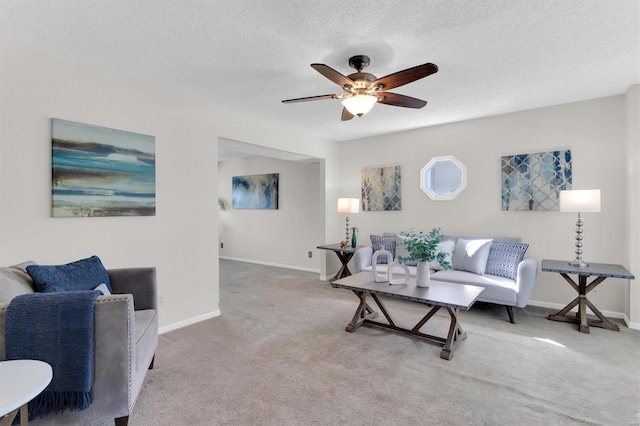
(497, 289)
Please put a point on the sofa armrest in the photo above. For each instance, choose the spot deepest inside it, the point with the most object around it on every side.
(361, 258)
(140, 282)
(526, 279)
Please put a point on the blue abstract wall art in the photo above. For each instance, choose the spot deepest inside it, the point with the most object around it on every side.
(533, 181)
(255, 191)
(381, 189)
(97, 171)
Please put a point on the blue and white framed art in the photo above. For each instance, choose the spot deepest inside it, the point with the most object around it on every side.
(97, 171)
(255, 191)
(533, 181)
(381, 188)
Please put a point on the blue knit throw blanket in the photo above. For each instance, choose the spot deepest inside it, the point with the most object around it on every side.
(56, 328)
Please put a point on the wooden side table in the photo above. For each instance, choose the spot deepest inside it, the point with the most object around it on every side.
(601, 271)
(22, 380)
(344, 254)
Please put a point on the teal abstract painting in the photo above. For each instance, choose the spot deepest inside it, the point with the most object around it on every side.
(533, 181)
(381, 189)
(97, 171)
(255, 191)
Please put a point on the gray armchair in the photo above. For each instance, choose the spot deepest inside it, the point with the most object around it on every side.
(125, 335)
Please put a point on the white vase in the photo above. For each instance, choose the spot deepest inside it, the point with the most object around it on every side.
(422, 274)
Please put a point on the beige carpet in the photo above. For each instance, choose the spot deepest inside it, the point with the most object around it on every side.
(279, 355)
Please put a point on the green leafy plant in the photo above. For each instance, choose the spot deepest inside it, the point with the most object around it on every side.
(424, 247)
(222, 204)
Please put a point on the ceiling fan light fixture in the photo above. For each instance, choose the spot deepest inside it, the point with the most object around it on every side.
(359, 104)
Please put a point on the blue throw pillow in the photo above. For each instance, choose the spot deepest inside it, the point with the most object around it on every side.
(84, 274)
(504, 258)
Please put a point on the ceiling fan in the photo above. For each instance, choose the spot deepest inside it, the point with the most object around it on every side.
(363, 90)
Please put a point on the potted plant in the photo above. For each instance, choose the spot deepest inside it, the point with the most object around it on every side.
(423, 248)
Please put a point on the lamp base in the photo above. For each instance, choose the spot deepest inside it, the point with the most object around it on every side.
(579, 263)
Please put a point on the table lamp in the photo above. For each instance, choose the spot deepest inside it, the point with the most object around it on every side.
(580, 201)
(348, 205)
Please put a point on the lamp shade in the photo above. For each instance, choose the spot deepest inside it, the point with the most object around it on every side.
(580, 201)
(359, 104)
(348, 205)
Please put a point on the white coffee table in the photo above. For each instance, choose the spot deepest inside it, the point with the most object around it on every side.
(20, 382)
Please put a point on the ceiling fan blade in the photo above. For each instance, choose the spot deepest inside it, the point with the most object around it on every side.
(346, 115)
(310, 98)
(400, 78)
(333, 75)
(400, 100)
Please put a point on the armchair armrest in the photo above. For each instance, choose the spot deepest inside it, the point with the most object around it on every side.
(140, 282)
(115, 354)
(361, 258)
(526, 279)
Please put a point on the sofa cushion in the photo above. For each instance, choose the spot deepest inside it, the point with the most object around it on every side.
(504, 258)
(471, 255)
(146, 335)
(15, 281)
(84, 274)
(389, 243)
(447, 247)
(496, 289)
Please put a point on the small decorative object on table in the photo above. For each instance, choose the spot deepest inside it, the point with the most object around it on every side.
(383, 275)
(398, 280)
(344, 243)
(424, 248)
(354, 236)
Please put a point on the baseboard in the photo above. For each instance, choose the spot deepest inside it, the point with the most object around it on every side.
(187, 322)
(327, 278)
(277, 265)
(610, 314)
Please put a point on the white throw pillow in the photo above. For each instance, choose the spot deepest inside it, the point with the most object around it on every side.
(447, 247)
(471, 255)
(104, 289)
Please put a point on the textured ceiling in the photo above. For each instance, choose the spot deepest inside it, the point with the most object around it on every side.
(495, 56)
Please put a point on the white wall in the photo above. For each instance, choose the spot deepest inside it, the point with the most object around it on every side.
(182, 239)
(594, 130)
(281, 237)
(632, 99)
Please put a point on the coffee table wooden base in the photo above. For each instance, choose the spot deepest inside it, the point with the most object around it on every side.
(364, 315)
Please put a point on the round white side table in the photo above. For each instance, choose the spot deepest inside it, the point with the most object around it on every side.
(20, 382)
